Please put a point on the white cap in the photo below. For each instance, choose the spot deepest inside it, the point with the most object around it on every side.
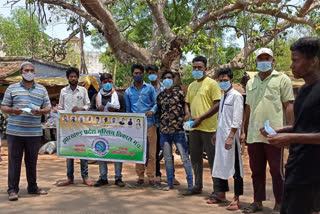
(26, 63)
(264, 51)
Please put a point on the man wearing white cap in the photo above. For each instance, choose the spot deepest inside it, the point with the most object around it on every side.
(269, 97)
(24, 102)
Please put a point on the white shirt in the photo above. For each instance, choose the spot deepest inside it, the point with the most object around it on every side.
(230, 116)
(69, 98)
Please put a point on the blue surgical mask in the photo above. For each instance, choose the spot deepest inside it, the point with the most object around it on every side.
(167, 83)
(264, 66)
(138, 78)
(225, 85)
(152, 77)
(197, 74)
(107, 86)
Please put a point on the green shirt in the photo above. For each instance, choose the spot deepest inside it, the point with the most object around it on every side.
(266, 99)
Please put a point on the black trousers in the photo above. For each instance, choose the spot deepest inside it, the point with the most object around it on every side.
(221, 185)
(300, 199)
(16, 146)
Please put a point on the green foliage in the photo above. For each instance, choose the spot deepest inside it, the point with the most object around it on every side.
(123, 75)
(21, 35)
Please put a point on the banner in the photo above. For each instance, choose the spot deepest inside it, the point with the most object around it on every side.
(118, 137)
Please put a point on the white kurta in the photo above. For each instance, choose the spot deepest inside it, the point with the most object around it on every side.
(230, 116)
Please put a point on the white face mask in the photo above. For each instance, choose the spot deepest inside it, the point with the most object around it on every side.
(28, 76)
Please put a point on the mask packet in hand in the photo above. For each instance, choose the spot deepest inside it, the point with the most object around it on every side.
(268, 128)
(26, 110)
(33, 107)
(188, 125)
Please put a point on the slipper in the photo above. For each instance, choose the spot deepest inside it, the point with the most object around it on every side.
(252, 208)
(233, 206)
(215, 200)
(155, 186)
(136, 185)
(167, 187)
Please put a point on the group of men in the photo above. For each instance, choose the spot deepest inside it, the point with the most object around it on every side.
(220, 124)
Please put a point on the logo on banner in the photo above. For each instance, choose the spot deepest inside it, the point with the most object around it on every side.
(100, 146)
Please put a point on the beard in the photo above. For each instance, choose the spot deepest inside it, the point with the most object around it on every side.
(73, 83)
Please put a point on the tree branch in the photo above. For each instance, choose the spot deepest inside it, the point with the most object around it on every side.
(157, 11)
(96, 23)
(112, 34)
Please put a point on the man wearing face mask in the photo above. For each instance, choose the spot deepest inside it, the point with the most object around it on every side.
(141, 98)
(269, 97)
(170, 104)
(74, 98)
(107, 99)
(202, 104)
(227, 160)
(24, 128)
(152, 71)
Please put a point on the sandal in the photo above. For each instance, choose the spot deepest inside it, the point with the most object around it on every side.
(167, 187)
(215, 200)
(139, 183)
(252, 208)
(276, 210)
(233, 206)
(65, 183)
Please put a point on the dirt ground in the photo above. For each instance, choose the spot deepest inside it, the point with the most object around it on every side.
(112, 199)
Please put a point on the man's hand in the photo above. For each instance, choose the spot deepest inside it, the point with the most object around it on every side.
(74, 109)
(196, 122)
(149, 113)
(213, 139)
(111, 109)
(280, 140)
(263, 132)
(243, 138)
(228, 143)
(36, 112)
(187, 117)
(16, 111)
(101, 108)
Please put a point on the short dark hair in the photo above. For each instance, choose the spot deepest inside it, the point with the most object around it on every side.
(72, 70)
(308, 46)
(200, 59)
(105, 76)
(227, 71)
(137, 66)
(152, 67)
(168, 72)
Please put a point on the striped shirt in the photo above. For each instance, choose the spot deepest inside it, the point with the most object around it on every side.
(18, 96)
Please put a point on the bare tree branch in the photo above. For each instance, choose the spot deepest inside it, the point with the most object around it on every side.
(156, 42)
(111, 32)
(94, 21)
(157, 10)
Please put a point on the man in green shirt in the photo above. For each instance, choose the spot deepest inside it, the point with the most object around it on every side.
(269, 97)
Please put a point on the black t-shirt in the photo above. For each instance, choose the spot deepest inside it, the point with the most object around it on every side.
(303, 166)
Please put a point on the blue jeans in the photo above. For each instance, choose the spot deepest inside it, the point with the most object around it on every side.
(179, 139)
(103, 168)
(83, 166)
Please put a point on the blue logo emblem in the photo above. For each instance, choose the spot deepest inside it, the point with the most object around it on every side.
(100, 147)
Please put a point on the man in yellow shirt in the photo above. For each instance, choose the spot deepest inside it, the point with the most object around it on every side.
(202, 105)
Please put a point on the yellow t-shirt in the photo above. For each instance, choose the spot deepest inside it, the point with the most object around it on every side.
(201, 97)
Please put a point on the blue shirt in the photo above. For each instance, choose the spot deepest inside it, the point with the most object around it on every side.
(142, 100)
(18, 96)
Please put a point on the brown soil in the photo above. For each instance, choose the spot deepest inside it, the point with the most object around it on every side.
(79, 198)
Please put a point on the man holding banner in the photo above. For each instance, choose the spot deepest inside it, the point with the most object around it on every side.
(74, 98)
(107, 99)
(141, 98)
